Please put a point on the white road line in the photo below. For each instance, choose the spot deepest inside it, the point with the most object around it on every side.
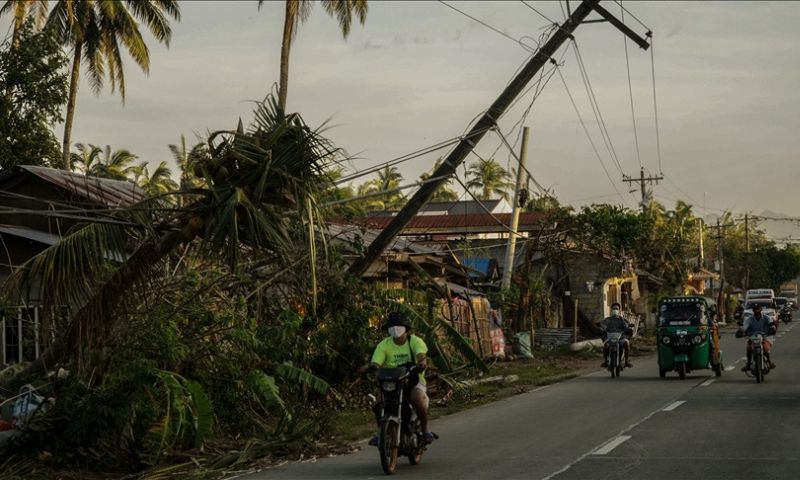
(673, 406)
(582, 457)
(707, 382)
(605, 449)
(729, 368)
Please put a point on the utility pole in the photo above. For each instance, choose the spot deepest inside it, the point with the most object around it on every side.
(642, 180)
(721, 269)
(702, 252)
(522, 176)
(747, 252)
(487, 121)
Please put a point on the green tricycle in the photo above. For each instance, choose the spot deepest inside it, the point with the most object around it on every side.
(688, 335)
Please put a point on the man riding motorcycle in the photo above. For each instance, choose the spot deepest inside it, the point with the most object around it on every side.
(401, 348)
(757, 323)
(617, 324)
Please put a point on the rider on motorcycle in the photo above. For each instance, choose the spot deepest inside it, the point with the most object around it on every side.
(398, 349)
(757, 323)
(616, 324)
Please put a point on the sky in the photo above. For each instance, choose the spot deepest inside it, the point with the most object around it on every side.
(417, 73)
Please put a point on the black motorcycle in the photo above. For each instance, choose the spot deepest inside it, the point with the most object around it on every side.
(785, 315)
(400, 431)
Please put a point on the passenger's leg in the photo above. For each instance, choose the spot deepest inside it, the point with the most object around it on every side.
(419, 400)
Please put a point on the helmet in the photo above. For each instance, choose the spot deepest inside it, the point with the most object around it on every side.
(397, 319)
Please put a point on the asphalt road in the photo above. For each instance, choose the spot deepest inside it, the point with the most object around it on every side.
(593, 427)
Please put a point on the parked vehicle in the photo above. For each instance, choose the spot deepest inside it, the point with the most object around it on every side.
(688, 336)
(400, 433)
(616, 354)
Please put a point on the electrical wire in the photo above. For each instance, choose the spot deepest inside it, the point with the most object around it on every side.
(630, 91)
(596, 107)
(540, 13)
(494, 29)
(618, 2)
(655, 102)
(586, 130)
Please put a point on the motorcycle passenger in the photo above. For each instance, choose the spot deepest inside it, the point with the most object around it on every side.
(757, 323)
(401, 348)
(616, 324)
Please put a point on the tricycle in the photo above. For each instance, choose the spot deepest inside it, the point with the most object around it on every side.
(688, 336)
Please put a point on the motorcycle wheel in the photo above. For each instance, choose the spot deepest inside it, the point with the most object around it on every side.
(416, 455)
(387, 447)
(681, 367)
(612, 365)
(758, 369)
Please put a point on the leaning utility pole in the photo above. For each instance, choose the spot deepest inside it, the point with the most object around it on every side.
(721, 268)
(642, 180)
(487, 121)
(508, 266)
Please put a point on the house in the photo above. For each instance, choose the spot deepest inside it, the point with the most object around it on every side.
(39, 206)
(699, 281)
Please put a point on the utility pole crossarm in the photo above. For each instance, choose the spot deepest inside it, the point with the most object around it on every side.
(622, 27)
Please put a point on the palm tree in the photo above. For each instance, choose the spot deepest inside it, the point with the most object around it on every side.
(157, 183)
(443, 193)
(261, 186)
(21, 10)
(491, 179)
(186, 159)
(104, 163)
(95, 29)
(297, 11)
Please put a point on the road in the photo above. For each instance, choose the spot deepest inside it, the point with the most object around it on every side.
(636, 427)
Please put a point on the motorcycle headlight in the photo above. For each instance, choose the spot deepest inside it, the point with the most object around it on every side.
(666, 340)
(388, 386)
(697, 339)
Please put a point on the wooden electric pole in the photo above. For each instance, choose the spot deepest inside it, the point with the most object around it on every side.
(487, 121)
(747, 252)
(522, 176)
(642, 180)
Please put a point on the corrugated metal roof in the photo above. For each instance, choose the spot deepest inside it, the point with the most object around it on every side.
(110, 193)
(31, 234)
(430, 222)
(349, 232)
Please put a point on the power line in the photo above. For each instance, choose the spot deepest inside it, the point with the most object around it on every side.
(630, 91)
(655, 103)
(583, 124)
(496, 30)
(619, 2)
(596, 107)
(537, 11)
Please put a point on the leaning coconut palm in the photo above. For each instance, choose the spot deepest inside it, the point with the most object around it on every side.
(94, 30)
(262, 185)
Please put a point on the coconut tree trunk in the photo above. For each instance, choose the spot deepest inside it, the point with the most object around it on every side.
(289, 21)
(102, 304)
(73, 93)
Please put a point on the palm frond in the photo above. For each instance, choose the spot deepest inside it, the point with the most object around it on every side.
(289, 372)
(268, 391)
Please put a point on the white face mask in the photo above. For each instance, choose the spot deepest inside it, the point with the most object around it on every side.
(397, 332)
(615, 312)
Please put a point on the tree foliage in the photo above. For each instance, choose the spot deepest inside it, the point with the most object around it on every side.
(32, 93)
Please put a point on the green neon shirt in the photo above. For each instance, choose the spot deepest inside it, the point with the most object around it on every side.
(390, 355)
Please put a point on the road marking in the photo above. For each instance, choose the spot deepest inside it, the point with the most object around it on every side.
(729, 368)
(707, 382)
(605, 449)
(583, 457)
(673, 406)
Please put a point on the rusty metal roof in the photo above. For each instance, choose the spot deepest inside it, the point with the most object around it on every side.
(104, 191)
(439, 222)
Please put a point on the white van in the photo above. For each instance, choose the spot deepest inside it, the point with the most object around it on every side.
(760, 294)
